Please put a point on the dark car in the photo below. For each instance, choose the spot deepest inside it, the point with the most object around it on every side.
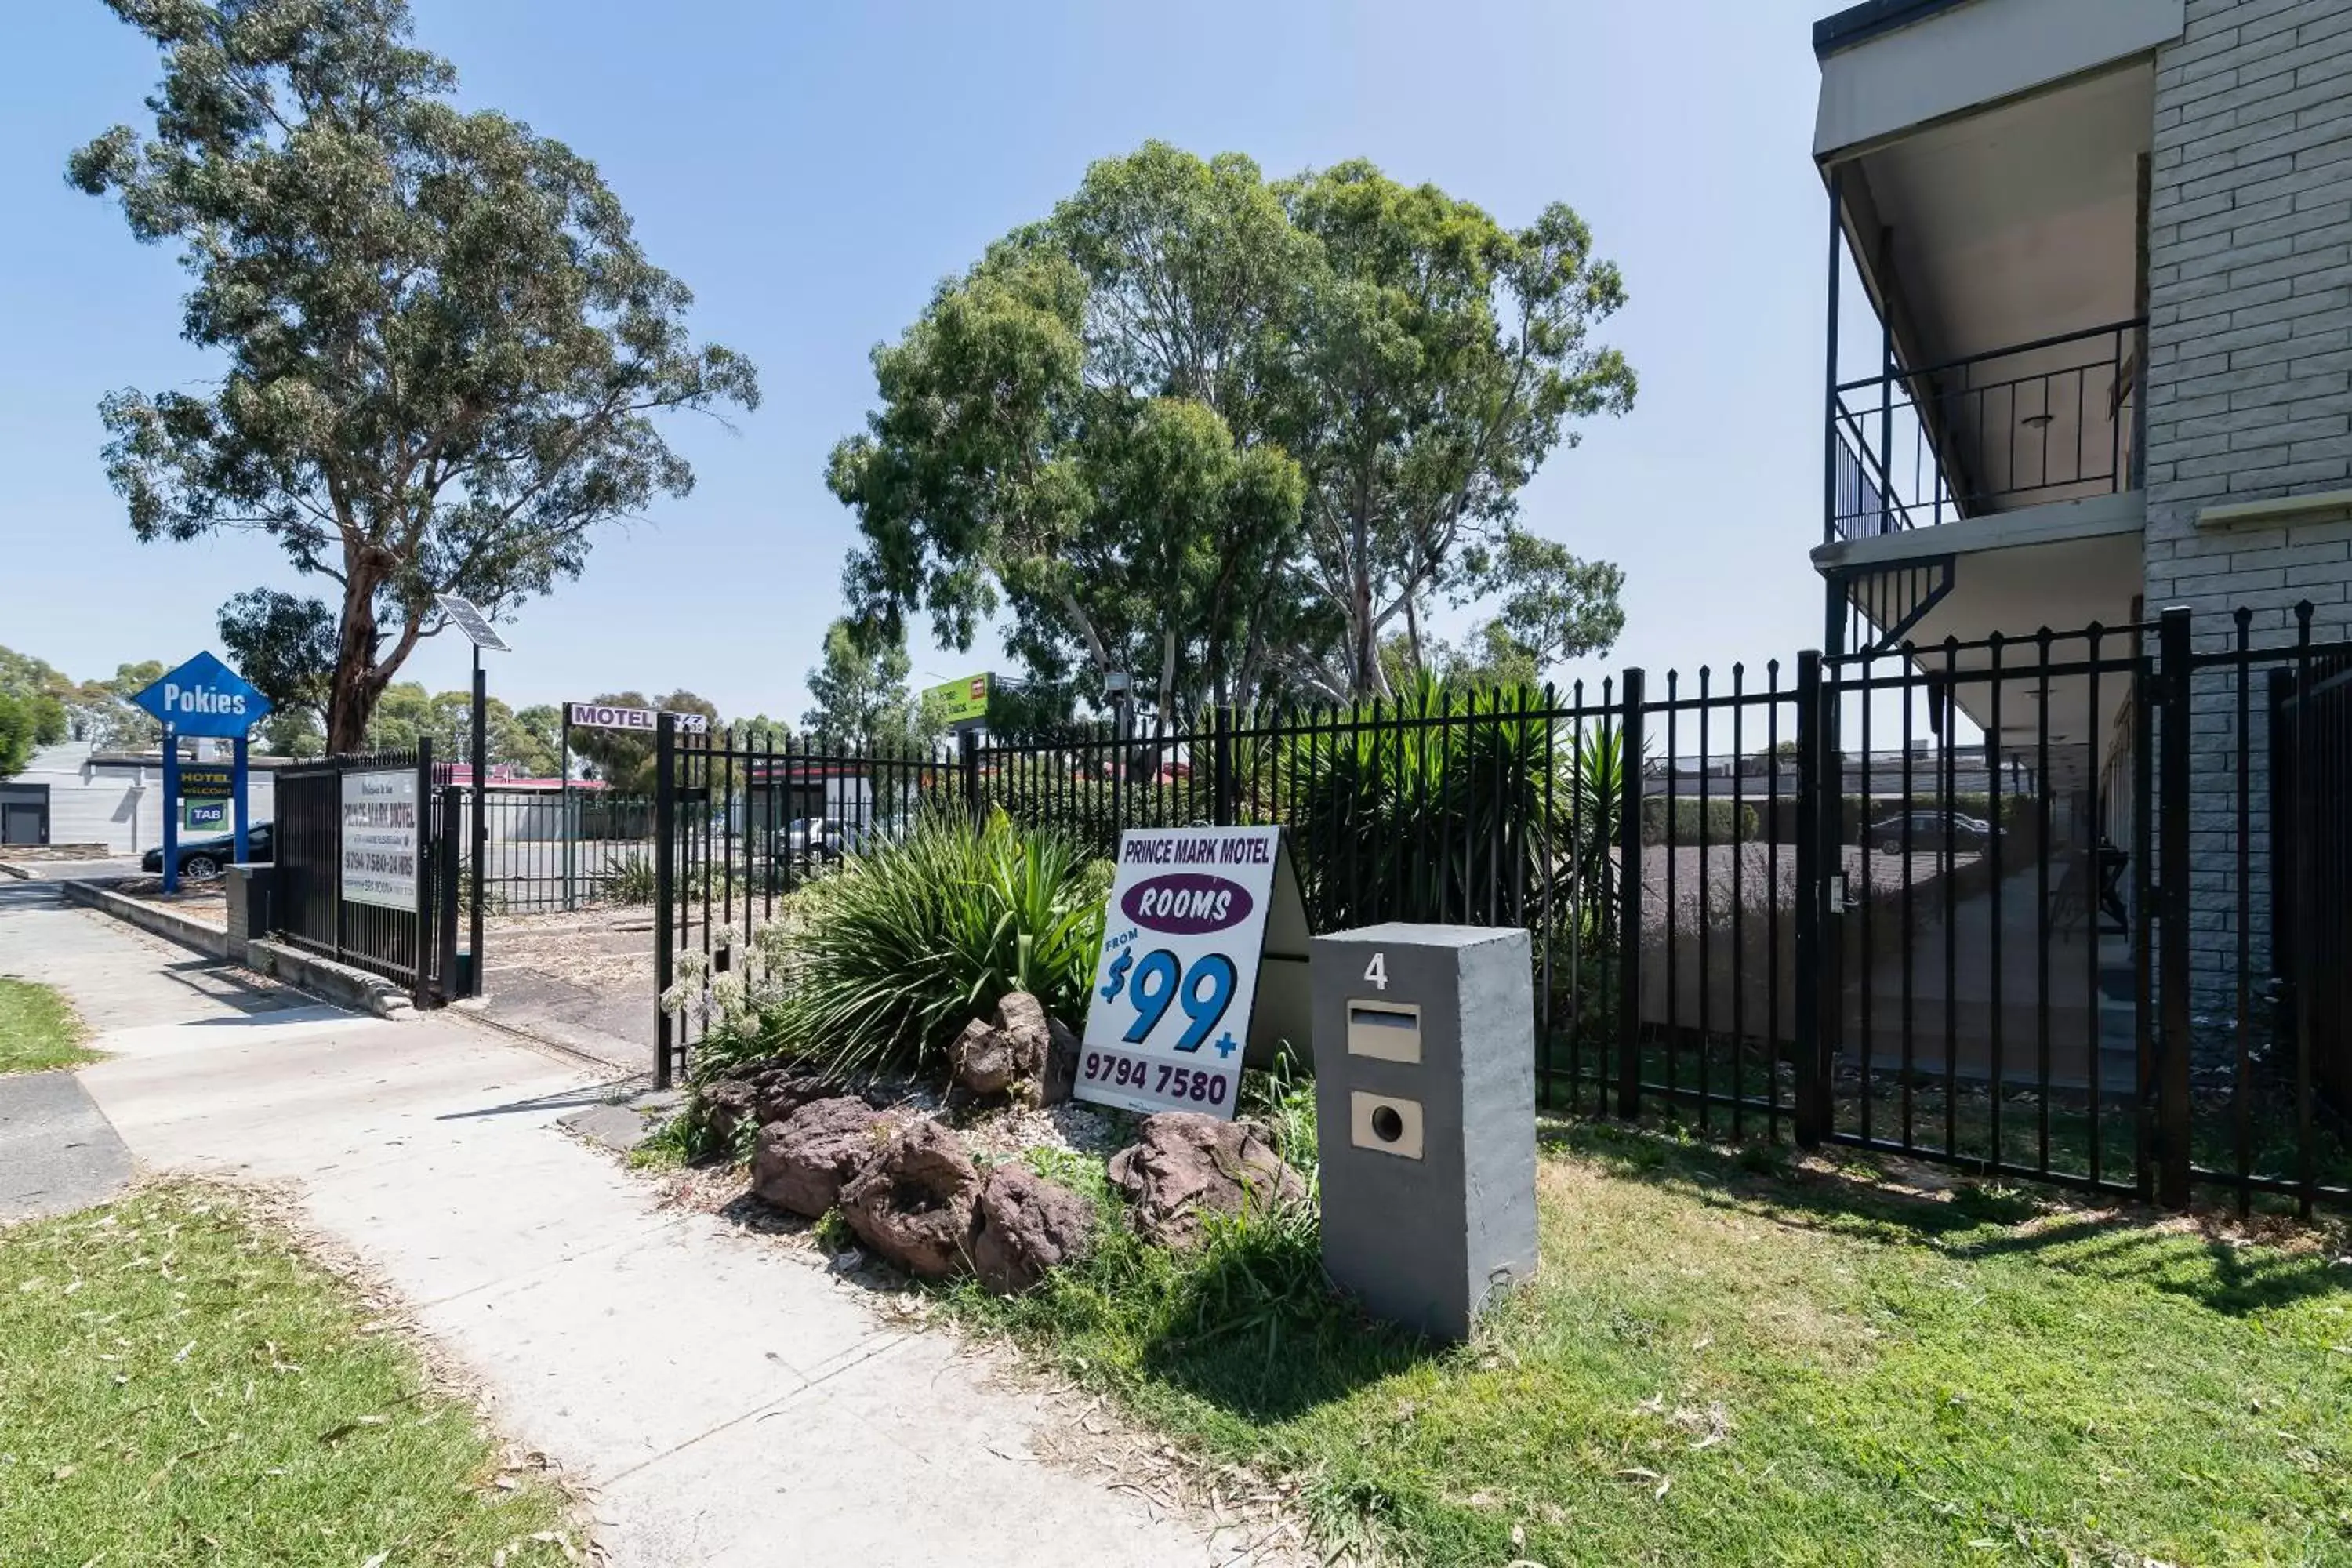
(1931, 832)
(201, 859)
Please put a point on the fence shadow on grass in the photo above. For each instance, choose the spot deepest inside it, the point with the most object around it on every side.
(2219, 1268)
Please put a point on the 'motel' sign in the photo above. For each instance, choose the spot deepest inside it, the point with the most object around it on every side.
(206, 697)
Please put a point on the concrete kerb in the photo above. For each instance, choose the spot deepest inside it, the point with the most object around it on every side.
(322, 977)
(209, 940)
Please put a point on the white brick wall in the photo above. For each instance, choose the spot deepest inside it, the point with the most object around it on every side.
(2249, 377)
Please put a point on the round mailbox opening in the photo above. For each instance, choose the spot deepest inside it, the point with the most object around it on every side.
(1387, 1125)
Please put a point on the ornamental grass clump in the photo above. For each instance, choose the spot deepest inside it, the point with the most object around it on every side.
(907, 943)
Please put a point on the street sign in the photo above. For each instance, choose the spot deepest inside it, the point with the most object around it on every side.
(380, 838)
(604, 716)
(466, 617)
(206, 697)
(1176, 991)
(962, 701)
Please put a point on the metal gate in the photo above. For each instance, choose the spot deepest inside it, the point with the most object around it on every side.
(413, 939)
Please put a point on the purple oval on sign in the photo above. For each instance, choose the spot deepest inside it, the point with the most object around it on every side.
(1187, 903)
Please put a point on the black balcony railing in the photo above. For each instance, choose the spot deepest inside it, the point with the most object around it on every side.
(2046, 421)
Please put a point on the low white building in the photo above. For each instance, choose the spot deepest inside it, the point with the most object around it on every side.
(75, 794)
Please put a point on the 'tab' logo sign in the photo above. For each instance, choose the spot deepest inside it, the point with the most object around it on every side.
(206, 697)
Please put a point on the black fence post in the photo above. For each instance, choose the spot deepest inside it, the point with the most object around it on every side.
(420, 980)
(665, 887)
(453, 807)
(1630, 747)
(1226, 808)
(1813, 982)
(2174, 1044)
(968, 771)
(478, 829)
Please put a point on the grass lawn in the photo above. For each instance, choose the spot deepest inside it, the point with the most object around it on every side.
(37, 1030)
(180, 1386)
(1727, 1362)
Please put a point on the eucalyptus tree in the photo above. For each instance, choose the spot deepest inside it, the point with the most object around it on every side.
(445, 348)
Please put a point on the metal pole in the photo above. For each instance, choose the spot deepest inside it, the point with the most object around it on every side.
(664, 887)
(236, 785)
(1811, 983)
(1222, 767)
(421, 953)
(571, 822)
(170, 811)
(481, 834)
(1835, 590)
(2172, 906)
(1629, 897)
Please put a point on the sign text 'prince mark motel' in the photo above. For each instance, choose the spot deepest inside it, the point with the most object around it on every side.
(1183, 937)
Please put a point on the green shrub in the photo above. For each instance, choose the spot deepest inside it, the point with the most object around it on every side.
(628, 880)
(1725, 823)
(893, 954)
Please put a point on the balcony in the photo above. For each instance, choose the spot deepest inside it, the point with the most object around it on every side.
(2057, 419)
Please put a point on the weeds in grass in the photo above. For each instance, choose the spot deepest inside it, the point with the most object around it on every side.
(38, 1030)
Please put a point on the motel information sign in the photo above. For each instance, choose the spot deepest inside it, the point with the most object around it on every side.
(380, 838)
(604, 716)
(1183, 935)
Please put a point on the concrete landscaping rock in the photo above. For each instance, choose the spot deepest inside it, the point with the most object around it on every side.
(981, 1061)
(758, 1094)
(913, 1202)
(1184, 1166)
(1026, 1226)
(1058, 1082)
(1028, 1035)
(803, 1160)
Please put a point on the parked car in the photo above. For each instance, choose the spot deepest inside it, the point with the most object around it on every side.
(202, 859)
(1931, 833)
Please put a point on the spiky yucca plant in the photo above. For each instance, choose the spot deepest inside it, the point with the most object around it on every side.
(893, 954)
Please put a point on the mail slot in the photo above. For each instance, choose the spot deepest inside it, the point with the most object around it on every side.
(1388, 1030)
(1424, 1050)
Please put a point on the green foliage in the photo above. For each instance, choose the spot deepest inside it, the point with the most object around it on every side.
(624, 759)
(1722, 821)
(861, 701)
(1224, 431)
(285, 645)
(19, 730)
(897, 951)
(629, 880)
(444, 348)
(1439, 821)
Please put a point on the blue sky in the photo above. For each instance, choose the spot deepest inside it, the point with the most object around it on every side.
(810, 172)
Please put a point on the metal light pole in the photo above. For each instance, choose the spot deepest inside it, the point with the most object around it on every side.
(466, 617)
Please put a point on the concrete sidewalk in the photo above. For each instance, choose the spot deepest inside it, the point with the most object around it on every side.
(730, 1403)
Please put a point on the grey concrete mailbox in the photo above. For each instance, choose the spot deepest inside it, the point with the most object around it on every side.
(1424, 1093)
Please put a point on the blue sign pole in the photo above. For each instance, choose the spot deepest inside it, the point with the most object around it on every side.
(236, 790)
(170, 810)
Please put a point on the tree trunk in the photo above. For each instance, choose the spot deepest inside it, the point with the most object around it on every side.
(358, 683)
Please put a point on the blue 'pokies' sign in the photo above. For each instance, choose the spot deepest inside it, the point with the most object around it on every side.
(206, 697)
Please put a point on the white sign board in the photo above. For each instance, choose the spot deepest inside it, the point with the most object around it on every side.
(1182, 938)
(604, 716)
(380, 839)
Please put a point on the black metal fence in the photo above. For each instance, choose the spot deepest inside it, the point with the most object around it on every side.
(546, 850)
(2070, 906)
(737, 826)
(366, 865)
